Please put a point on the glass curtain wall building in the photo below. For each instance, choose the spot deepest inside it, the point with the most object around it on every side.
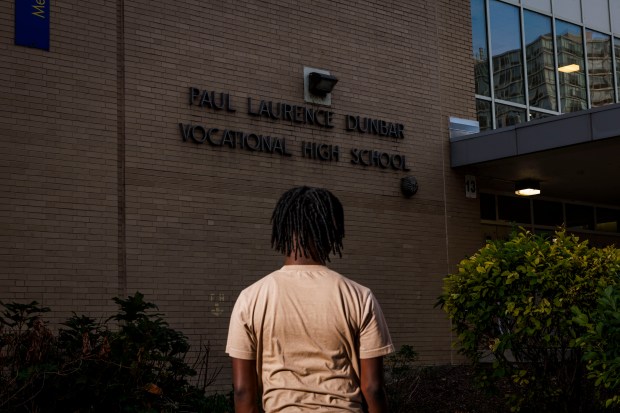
(538, 58)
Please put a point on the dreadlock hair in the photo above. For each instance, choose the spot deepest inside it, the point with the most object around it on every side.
(309, 222)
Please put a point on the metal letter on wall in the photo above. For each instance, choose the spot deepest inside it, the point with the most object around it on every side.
(32, 23)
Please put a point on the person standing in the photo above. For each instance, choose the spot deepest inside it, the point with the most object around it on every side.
(305, 338)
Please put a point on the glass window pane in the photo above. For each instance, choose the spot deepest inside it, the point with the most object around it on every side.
(607, 220)
(596, 14)
(598, 46)
(506, 50)
(480, 48)
(483, 112)
(540, 60)
(513, 209)
(617, 52)
(569, 9)
(508, 115)
(544, 5)
(539, 115)
(571, 67)
(487, 207)
(579, 216)
(615, 15)
(548, 213)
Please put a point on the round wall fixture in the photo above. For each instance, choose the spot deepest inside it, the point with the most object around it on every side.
(408, 186)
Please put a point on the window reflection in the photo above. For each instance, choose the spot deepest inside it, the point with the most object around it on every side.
(600, 75)
(483, 111)
(480, 48)
(548, 52)
(571, 67)
(607, 220)
(518, 210)
(540, 60)
(579, 216)
(508, 115)
(539, 115)
(506, 49)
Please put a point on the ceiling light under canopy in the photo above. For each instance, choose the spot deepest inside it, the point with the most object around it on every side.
(527, 187)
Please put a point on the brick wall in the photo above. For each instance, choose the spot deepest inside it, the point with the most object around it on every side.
(192, 225)
(58, 203)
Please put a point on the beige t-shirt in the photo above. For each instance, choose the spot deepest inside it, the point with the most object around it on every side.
(307, 327)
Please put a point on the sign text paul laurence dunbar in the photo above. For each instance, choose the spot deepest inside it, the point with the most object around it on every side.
(280, 111)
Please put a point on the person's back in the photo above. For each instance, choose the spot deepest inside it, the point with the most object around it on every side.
(308, 320)
(315, 338)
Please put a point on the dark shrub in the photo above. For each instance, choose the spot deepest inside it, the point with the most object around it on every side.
(138, 364)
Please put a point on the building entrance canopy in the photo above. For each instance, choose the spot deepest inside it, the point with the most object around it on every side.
(574, 156)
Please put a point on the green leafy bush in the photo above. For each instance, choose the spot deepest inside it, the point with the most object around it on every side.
(601, 344)
(138, 364)
(511, 305)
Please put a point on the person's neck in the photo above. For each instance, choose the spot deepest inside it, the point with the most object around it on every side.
(300, 260)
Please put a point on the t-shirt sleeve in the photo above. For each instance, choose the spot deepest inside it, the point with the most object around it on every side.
(241, 343)
(375, 340)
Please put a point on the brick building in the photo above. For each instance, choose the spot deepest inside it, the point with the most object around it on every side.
(145, 150)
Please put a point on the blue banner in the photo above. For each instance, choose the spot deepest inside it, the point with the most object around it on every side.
(32, 23)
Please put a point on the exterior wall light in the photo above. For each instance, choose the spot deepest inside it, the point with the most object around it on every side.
(321, 84)
(527, 187)
(408, 186)
(318, 84)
